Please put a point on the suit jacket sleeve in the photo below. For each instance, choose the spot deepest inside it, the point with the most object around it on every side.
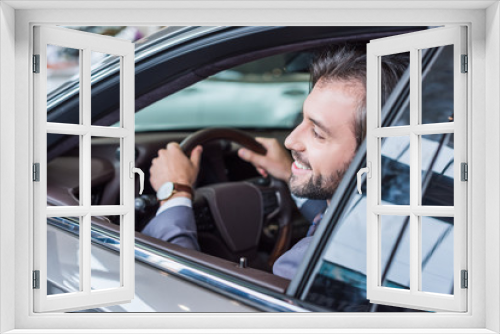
(287, 264)
(175, 225)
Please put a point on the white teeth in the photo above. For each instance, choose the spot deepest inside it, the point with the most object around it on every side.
(301, 166)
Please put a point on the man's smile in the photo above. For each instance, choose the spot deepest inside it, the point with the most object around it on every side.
(299, 167)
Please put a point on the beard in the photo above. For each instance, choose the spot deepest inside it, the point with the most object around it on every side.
(317, 187)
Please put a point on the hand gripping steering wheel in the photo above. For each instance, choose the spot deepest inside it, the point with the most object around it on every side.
(233, 204)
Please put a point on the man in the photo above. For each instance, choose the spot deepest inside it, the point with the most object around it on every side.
(322, 147)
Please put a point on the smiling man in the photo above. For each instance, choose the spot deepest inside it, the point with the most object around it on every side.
(322, 147)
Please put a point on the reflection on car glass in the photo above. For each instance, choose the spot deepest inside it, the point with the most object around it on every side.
(257, 95)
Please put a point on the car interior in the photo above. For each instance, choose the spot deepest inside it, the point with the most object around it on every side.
(257, 220)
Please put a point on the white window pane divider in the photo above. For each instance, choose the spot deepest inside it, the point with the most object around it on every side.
(86, 297)
(100, 210)
(414, 297)
(406, 210)
(93, 130)
(415, 180)
(422, 129)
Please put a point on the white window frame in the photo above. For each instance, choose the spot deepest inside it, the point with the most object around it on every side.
(86, 43)
(414, 43)
(483, 20)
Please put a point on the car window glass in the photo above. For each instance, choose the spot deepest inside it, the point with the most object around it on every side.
(266, 93)
(64, 63)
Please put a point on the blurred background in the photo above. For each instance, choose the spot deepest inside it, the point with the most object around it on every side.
(62, 63)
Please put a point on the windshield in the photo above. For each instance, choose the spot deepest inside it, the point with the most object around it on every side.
(267, 93)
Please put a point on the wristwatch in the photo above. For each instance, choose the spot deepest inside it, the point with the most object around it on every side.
(168, 189)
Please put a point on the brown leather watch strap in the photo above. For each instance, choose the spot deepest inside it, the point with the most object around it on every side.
(178, 187)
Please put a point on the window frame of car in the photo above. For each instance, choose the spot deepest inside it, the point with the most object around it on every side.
(477, 317)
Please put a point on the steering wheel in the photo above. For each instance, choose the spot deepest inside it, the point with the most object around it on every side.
(239, 209)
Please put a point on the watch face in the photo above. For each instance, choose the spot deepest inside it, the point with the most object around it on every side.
(165, 191)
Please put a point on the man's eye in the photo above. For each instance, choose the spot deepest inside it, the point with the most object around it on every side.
(316, 135)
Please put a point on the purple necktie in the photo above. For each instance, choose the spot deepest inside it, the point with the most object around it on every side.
(314, 224)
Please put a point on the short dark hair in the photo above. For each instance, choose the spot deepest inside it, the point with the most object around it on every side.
(348, 63)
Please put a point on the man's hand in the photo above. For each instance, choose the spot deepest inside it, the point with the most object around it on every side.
(174, 166)
(276, 162)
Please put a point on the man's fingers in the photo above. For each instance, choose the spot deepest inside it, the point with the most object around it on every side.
(243, 153)
(262, 140)
(250, 156)
(255, 159)
(262, 171)
(266, 142)
(173, 144)
(196, 156)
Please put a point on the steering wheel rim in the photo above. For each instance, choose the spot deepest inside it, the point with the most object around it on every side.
(285, 204)
(210, 134)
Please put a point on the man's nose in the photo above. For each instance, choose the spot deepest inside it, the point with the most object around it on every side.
(293, 141)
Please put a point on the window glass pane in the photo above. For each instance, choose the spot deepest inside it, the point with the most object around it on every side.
(105, 254)
(105, 93)
(349, 242)
(389, 80)
(437, 254)
(63, 255)
(395, 170)
(105, 171)
(437, 169)
(63, 172)
(63, 74)
(395, 251)
(339, 288)
(437, 88)
(340, 282)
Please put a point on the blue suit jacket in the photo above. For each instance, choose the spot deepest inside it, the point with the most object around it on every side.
(175, 225)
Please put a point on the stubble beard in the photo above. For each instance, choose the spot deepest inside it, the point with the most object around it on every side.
(317, 187)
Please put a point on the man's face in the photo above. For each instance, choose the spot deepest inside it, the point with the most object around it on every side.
(324, 144)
